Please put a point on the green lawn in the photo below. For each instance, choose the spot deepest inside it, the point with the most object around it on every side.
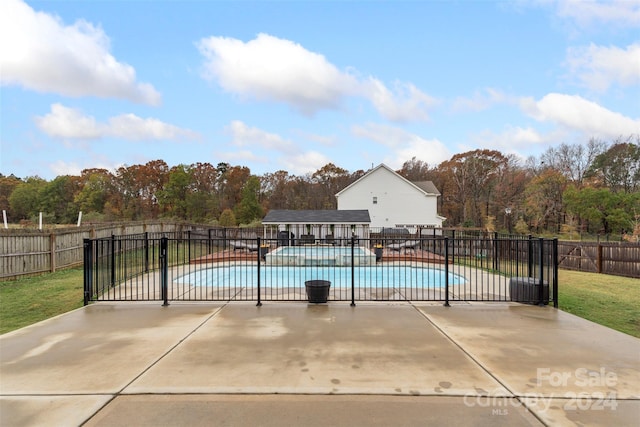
(608, 300)
(30, 300)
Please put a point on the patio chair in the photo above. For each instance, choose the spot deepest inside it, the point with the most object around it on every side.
(239, 245)
(407, 244)
(307, 239)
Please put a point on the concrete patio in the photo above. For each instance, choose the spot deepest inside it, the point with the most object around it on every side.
(493, 364)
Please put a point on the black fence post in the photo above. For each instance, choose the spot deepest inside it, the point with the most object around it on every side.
(146, 251)
(541, 270)
(259, 251)
(113, 260)
(446, 272)
(530, 257)
(353, 272)
(453, 242)
(164, 267)
(88, 270)
(555, 272)
(496, 252)
(188, 245)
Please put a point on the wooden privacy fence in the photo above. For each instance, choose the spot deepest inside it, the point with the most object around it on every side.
(620, 259)
(29, 252)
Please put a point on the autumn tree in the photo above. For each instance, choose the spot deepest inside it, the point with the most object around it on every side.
(57, 199)
(325, 183)
(227, 219)
(511, 181)
(618, 168)
(249, 208)
(469, 182)
(139, 187)
(95, 187)
(231, 180)
(24, 202)
(416, 170)
(277, 190)
(7, 185)
(543, 200)
(573, 161)
(174, 197)
(203, 202)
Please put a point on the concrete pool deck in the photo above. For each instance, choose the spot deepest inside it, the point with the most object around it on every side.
(482, 364)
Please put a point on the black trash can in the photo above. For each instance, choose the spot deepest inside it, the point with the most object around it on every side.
(527, 290)
(317, 290)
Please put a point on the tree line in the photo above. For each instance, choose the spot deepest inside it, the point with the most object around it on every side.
(582, 188)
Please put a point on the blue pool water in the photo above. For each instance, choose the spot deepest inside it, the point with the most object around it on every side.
(340, 277)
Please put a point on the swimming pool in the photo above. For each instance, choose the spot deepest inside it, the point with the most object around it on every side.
(340, 277)
(320, 256)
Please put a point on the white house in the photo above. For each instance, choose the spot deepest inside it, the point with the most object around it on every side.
(392, 200)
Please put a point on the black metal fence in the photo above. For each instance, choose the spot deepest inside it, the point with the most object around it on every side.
(195, 267)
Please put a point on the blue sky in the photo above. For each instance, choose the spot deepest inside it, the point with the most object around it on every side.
(277, 85)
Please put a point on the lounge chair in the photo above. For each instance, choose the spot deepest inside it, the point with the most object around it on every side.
(307, 239)
(398, 247)
(239, 245)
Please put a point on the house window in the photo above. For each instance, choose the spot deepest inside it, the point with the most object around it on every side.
(375, 200)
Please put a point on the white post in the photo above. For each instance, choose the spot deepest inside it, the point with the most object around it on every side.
(79, 218)
(40, 222)
(4, 217)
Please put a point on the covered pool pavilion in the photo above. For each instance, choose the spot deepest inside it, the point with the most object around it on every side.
(316, 226)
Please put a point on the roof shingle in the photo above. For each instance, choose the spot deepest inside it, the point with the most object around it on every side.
(287, 216)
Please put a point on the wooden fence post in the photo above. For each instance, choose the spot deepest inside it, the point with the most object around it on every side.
(52, 252)
(599, 259)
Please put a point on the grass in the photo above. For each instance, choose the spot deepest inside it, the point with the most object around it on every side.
(608, 300)
(30, 300)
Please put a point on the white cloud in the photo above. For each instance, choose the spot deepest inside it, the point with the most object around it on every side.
(408, 103)
(64, 122)
(578, 114)
(515, 140)
(480, 101)
(132, 127)
(306, 162)
(269, 68)
(404, 145)
(273, 69)
(271, 149)
(40, 53)
(588, 13)
(244, 135)
(69, 123)
(598, 67)
(61, 167)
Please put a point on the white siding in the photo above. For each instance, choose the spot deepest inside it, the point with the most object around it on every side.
(398, 201)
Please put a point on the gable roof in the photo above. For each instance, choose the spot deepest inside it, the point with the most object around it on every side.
(425, 187)
(289, 216)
